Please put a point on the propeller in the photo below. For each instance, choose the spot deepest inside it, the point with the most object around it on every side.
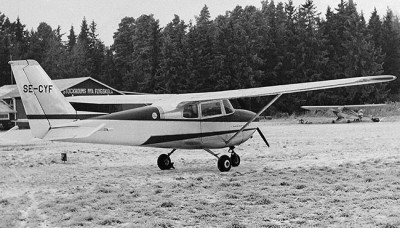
(262, 136)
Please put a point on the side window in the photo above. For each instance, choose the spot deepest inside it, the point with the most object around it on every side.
(228, 107)
(211, 109)
(190, 111)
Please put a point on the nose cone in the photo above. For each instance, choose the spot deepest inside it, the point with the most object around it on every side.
(242, 115)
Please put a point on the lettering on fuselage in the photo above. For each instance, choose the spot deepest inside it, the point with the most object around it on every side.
(39, 88)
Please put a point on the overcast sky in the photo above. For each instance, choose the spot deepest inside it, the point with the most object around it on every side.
(108, 14)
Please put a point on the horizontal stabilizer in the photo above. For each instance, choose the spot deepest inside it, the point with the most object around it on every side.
(71, 132)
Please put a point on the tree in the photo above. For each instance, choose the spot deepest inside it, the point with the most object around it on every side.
(375, 28)
(200, 53)
(391, 48)
(71, 39)
(123, 49)
(145, 57)
(351, 53)
(6, 47)
(171, 75)
(109, 73)
(83, 36)
(95, 54)
(39, 42)
(307, 51)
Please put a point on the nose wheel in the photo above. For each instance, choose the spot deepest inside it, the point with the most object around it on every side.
(224, 163)
(235, 159)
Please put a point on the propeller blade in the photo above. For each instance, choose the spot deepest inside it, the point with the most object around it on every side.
(262, 136)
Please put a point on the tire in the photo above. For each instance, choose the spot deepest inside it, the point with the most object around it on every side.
(164, 162)
(235, 160)
(224, 163)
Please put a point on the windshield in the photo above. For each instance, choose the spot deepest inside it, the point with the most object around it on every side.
(228, 107)
(212, 108)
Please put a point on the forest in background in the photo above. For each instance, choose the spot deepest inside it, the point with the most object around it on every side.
(275, 44)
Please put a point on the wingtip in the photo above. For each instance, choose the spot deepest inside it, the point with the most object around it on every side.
(388, 77)
(380, 78)
(23, 62)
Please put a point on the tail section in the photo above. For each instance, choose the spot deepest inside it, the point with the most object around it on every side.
(44, 104)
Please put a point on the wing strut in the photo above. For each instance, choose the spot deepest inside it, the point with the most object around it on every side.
(255, 117)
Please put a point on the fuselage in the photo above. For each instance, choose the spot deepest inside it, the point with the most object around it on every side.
(346, 113)
(191, 126)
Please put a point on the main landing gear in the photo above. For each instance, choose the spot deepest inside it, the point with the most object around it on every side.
(164, 161)
(225, 162)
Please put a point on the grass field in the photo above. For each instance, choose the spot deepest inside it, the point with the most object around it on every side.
(315, 175)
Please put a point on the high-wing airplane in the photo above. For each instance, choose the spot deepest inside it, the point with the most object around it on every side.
(346, 112)
(177, 121)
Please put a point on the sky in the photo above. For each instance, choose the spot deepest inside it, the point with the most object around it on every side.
(107, 14)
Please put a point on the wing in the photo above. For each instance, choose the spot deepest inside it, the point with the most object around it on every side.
(357, 107)
(120, 99)
(175, 99)
(348, 107)
(321, 108)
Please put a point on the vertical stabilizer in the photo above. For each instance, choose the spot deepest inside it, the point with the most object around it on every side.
(44, 104)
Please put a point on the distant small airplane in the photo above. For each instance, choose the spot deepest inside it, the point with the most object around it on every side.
(346, 112)
(176, 121)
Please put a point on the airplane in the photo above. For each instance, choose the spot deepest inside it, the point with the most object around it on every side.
(346, 112)
(203, 121)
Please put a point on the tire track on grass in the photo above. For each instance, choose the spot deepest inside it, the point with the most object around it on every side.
(31, 215)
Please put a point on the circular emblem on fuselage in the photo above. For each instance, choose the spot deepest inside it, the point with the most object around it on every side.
(154, 115)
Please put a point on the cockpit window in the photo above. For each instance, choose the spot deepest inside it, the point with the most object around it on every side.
(190, 111)
(211, 108)
(228, 107)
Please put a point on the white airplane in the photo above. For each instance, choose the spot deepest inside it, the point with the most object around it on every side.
(346, 112)
(176, 121)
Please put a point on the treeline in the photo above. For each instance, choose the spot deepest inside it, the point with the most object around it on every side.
(247, 47)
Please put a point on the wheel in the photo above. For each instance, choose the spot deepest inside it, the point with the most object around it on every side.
(333, 121)
(348, 121)
(224, 163)
(235, 160)
(164, 162)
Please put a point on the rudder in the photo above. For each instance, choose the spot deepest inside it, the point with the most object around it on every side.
(44, 104)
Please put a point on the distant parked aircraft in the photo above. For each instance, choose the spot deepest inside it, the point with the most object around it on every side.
(176, 121)
(346, 112)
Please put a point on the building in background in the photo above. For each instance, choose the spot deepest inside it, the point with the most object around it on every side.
(12, 111)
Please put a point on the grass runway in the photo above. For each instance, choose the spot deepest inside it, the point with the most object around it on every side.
(322, 175)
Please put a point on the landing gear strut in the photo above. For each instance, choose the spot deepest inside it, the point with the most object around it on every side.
(235, 159)
(164, 161)
(225, 163)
